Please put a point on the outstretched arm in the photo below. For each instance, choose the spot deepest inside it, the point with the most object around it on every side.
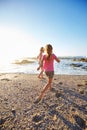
(58, 60)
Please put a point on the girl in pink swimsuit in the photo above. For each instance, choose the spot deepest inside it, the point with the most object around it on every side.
(48, 65)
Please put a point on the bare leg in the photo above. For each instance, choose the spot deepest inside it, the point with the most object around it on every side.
(48, 85)
(41, 74)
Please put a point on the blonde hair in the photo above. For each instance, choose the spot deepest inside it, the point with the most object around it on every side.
(48, 49)
(42, 49)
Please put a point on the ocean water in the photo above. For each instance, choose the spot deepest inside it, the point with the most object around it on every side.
(64, 67)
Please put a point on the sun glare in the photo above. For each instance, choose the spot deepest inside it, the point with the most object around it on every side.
(15, 44)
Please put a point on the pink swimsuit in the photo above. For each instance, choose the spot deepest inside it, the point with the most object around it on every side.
(48, 65)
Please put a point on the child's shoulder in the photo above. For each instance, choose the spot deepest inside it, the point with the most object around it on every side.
(54, 55)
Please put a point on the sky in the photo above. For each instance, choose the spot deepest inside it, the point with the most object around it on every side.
(26, 25)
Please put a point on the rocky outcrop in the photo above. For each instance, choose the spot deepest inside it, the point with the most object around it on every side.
(82, 66)
(80, 59)
(76, 64)
(24, 61)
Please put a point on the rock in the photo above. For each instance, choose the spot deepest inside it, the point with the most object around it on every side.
(24, 61)
(60, 83)
(80, 59)
(85, 83)
(58, 95)
(83, 59)
(2, 121)
(84, 67)
(79, 121)
(37, 118)
(81, 91)
(5, 79)
(79, 85)
(76, 64)
(13, 112)
(53, 89)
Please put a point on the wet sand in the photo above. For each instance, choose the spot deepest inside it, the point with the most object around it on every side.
(62, 108)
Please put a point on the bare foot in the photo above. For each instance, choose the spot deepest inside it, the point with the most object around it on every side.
(37, 100)
(40, 77)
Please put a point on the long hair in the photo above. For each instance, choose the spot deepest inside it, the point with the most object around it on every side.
(48, 49)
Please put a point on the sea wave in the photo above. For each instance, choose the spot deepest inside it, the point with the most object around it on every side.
(68, 65)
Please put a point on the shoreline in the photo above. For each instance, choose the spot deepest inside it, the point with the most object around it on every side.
(2, 73)
(64, 107)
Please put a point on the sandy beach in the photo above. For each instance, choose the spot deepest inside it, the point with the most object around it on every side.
(62, 108)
